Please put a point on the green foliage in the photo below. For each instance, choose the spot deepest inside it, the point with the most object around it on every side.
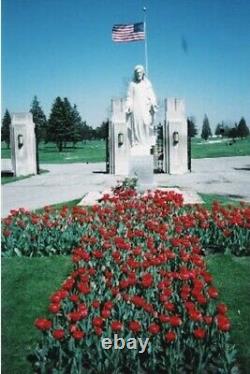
(233, 132)
(102, 131)
(128, 182)
(5, 129)
(39, 119)
(192, 130)
(243, 129)
(206, 130)
(65, 124)
(219, 129)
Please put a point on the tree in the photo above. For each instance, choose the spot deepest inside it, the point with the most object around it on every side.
(219, 129)
(68, 121)
(5, 130)
(102, 131)
(78, 124)
(57, 128)
(39, 119)
(192, 130)
(233, 132)
(86, 131)
(243, 129)
(206, 130)
(64, 123)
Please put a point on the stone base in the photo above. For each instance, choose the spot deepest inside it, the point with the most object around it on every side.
(142, 166)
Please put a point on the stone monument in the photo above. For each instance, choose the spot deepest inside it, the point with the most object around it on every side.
(132, 138)
(119, 149)
(175, 137)
(23, 144)
(141, 107)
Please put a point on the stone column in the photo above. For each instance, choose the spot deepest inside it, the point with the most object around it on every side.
(119, 148)
(175, 137)
(23, 144)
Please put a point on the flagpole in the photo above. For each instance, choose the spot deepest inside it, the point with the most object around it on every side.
(145, 41)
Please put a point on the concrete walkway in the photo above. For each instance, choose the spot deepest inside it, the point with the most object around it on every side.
(227, 176)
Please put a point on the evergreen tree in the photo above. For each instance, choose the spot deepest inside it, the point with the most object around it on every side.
(39, 119)
(192, 130)
(102, 131)
(65, 124)
(233, 132)
(57, 131)
(243, 129)
(87, 132)
(5, 130)
(78, 125)
(68, 121)
(206, 130)
(219, 129)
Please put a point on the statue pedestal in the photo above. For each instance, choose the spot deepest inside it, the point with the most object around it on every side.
(142, 166)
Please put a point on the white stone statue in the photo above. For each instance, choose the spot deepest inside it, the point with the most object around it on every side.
(141, 106)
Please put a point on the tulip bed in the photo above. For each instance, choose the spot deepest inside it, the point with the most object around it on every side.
(25, 233)
(139, 271)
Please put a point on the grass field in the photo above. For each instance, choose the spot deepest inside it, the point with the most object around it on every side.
(211, 149)
(92, 151)
(28, 282)
(95, 151)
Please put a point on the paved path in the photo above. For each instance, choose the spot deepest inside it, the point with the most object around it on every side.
(226, 175)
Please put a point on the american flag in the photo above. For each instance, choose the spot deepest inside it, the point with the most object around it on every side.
(128, 32)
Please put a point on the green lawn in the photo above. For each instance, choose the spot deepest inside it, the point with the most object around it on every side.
(231, 275)
(26, 285)
(28, 282)
(202, 148)
(208, 200)
(92, 151)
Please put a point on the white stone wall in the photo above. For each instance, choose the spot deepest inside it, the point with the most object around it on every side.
(175, 153)
(23, 156)
(119, 154)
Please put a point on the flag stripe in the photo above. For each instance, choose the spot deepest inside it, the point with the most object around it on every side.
(128, 32)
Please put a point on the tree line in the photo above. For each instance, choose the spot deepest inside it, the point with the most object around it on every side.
(239, 130)
(63, 126)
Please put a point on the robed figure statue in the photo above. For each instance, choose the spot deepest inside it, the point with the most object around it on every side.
(141, 106)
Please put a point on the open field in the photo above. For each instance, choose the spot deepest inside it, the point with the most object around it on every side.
(91, 151)
(39, 277)
(220, 148)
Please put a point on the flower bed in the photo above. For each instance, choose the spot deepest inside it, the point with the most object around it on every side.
(25, 233)
(139, 272)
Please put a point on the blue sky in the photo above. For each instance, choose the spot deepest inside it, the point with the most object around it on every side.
(198, 50)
